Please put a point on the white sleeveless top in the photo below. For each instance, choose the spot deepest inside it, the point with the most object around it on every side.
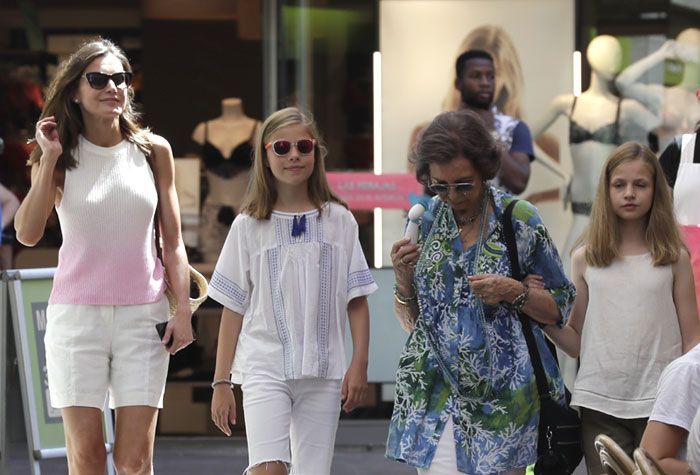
(630, 334)
(108, 255)
(686, 190)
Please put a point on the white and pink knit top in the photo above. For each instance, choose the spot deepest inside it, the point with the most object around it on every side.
(108, 255)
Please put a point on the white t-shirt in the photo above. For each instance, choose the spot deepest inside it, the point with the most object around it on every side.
(293, 291)
(678, 394)
(694, 444)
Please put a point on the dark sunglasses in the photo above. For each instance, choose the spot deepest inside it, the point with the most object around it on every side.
(100, 80)
(444, 188)
(283, 147)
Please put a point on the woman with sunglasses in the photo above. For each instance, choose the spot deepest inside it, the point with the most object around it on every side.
(466, 399)
(92, 165)
(289, 276)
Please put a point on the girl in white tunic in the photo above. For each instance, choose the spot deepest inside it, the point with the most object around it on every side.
(290, 273)
(635, 305)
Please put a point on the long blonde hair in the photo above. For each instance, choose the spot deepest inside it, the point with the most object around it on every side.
(602, 238)
(262, 194)
(509, 74)
(68, 116)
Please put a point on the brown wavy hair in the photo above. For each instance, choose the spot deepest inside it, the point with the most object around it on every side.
(68, 116)
(262, 194)
(457, 134)
(602, 238)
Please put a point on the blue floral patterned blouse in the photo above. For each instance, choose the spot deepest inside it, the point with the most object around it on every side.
(482, 347)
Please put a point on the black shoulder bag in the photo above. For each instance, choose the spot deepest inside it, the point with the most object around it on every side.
(559, 435)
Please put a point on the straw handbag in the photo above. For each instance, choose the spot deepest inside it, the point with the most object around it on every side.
(196, 280)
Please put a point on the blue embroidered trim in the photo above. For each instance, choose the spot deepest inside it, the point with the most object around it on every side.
(295, 229)
(279, 234)
(229, 288)
(359, 278)
(273, 259)
(324, 307)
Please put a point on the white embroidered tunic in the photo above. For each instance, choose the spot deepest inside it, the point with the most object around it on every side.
(293, 291)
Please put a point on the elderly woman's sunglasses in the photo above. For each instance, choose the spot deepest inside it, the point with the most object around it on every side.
(100, 80)
(443, 189)
(283, 147)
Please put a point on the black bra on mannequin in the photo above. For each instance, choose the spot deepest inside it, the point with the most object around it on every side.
(241, 157)
(609, 134)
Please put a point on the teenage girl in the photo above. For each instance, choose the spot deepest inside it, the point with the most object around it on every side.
(635, 305)
(289, 275)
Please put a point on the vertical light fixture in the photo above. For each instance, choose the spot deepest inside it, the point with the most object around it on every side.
(377, 119)
(304, 54)
(577, 73)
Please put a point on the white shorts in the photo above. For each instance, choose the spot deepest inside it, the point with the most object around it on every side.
(301, 415)
(91, 349)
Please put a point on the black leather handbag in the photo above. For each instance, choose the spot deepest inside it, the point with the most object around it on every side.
(559, 440)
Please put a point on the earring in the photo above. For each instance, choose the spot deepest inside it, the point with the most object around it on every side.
(76, 101)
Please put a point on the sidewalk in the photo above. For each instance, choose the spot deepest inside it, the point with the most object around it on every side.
(359, 451)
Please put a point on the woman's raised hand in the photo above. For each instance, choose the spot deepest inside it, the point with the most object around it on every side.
(404, 256)
(47, 138)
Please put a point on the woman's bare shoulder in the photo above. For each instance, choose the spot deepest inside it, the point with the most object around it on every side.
(159, 143)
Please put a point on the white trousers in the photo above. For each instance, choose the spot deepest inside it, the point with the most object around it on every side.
(445, 459)
(291, 421)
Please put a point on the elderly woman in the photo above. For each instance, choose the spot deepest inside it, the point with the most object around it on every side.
(466, 398)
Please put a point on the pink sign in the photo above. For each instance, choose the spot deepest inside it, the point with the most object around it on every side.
(369, 191)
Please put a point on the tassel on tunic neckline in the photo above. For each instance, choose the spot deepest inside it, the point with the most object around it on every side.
(298, 225)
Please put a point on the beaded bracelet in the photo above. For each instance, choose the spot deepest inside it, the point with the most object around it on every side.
(222, 381)
(520, 301)
(402, 300)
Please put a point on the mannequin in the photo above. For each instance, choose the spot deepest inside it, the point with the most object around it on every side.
(676, 106)
(599, 122)
(227, 148)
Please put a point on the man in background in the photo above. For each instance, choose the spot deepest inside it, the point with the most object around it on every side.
(475, 80)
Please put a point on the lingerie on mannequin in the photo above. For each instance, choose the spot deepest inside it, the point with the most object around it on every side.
(226, 149)
(240, 158)
(609, 133)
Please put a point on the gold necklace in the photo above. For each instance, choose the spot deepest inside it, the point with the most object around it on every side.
(462, 222)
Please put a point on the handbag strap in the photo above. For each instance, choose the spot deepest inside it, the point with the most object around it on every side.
(156, 216)
(511, 245)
